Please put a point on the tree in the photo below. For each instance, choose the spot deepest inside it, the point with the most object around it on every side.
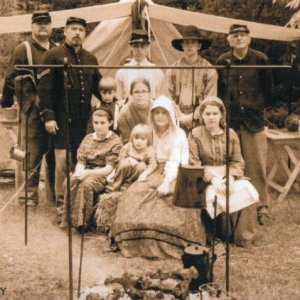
(293, 5)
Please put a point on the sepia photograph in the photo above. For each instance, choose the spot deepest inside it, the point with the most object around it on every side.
(149, 149)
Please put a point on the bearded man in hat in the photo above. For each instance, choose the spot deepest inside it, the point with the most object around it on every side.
(185, 88)
(31, 52)
(248, 93)
(139, 45)
(82, 84)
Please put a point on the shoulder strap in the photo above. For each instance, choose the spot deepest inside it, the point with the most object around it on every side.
(29, 52)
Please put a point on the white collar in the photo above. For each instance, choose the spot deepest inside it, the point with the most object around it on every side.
(95, 138)
(145, 62)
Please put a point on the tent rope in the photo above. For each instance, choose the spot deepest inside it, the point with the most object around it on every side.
(116, 43)
(145, 16)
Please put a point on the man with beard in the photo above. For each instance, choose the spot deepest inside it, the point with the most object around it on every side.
(31, 52)
(82, 84)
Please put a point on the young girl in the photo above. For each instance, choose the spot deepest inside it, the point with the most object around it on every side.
(136, 159)
(207, 145)
(97, 156)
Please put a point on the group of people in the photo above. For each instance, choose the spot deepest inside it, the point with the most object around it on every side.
(143, 126)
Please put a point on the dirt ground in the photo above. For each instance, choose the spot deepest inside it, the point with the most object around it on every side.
(269, 270)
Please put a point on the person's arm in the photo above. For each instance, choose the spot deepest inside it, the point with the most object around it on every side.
(104, 171)
(152, 166)
(124, 151)
(112, 156)
(237, 163)
(179, 154)
(18, 57)
(96, 78)
(221, 86)
(211, 83)
(123, 125)
(46, 90)
(111, 176)
(80, 167)
(170, 83)
(267, 81)
(194, 153)
(81, 156)
(120, 92)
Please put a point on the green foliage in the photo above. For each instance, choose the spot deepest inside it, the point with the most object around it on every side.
(262, 11)
(5, 7)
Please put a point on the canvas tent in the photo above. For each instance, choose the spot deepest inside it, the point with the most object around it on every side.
(109, 40)
(122, 9)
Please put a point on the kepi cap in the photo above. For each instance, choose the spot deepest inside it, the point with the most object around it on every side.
(234, 28)
(72, 20)
(191, 33)
(139, 36)
(41, 16)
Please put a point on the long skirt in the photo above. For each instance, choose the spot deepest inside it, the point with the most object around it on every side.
(149, 226)
(242, 226)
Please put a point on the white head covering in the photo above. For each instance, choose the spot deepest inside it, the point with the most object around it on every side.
(164, 102)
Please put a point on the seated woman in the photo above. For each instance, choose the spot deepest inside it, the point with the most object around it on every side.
(97, 156)
(137, 110)
(146, 223)
(207, 145)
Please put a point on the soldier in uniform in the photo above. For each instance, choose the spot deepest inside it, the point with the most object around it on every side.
(82, 84)
(249, 91)
(31, 52)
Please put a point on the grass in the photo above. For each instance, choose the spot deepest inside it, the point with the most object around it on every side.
(269, 270)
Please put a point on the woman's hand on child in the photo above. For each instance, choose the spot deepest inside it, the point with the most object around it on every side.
(81, 175)
(163, 189)
(142, 177)
(110, 178)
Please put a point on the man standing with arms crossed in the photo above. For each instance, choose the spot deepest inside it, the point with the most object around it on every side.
(248, 95)
(82, 84)
(31, 52)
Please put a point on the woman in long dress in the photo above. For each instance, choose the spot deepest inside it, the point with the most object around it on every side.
(207, 144)
(147, 223)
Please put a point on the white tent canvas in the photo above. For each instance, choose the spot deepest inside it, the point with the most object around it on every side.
(97, 13)
(109, 42)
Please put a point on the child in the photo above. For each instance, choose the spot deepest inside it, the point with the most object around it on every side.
(136, 160)
(97, 157)
(107, 89)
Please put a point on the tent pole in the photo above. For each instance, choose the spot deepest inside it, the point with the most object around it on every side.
(68, 199)
(26, 166)
(227, 181)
